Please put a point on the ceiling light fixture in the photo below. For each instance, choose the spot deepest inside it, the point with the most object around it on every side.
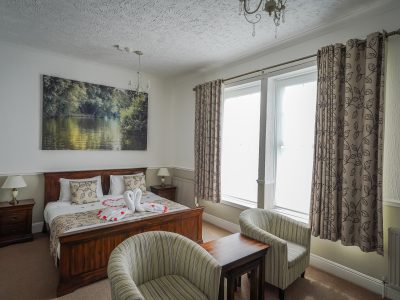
(139, 89)
(275, 9)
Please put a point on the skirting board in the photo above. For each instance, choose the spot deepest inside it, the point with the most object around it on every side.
(224, 224)
(37, 227)
(367, 282)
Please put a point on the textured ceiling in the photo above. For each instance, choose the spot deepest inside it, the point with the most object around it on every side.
(176, 36)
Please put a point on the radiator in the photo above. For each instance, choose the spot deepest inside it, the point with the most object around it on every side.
(184, 191)
(394, 257)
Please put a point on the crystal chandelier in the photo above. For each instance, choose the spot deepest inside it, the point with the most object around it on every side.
(139, 90)
(275, 9)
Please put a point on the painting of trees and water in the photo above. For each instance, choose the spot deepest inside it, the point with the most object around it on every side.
(85, 116)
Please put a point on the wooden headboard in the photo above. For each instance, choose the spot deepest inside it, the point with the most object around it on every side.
(52, 184)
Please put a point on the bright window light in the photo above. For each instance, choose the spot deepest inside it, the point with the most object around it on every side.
(294, 146)
(240, 144)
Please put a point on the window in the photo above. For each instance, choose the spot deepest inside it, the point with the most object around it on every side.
(292, 115)
(240, 144)
(271, 164)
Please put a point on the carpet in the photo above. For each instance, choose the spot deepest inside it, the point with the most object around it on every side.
(28, 272)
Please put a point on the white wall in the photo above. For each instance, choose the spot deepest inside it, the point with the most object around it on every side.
(368, 263)
(20, 114)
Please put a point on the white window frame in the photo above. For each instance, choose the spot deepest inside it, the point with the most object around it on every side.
(271, 157)
(266, 180)
(229, 199)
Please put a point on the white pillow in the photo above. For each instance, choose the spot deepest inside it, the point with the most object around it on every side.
(117, 183)
(65, 191)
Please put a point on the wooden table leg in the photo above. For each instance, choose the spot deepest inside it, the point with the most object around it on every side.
(221, 287)
(261, 278)
(253, 283)
(230, 289)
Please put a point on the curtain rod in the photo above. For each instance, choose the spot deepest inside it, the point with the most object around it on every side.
(271, 67)
(385, 34)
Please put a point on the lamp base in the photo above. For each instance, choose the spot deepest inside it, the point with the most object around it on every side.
(14, 201)
(162, 181)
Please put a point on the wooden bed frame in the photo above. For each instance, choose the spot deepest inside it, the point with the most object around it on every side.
(84, 254)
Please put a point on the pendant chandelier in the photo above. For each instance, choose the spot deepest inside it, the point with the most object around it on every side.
(252, 11)
(139, 89)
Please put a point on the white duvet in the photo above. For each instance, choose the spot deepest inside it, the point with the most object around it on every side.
(57, 208)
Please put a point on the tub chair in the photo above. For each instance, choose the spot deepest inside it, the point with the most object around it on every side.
(162, 265)
(289, 255)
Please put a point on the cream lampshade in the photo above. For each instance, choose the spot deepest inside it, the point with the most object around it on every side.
(14, 182)
(163, 172)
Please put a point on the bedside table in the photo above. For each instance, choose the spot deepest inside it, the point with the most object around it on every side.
(167, 191)
(16, 222)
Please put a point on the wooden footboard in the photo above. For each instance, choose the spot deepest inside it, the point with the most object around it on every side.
(84, 254)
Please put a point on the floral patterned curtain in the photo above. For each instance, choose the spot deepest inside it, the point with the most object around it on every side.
(346, 200)
(207, 141)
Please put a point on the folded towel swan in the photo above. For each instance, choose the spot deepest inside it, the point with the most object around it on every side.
(132, 200)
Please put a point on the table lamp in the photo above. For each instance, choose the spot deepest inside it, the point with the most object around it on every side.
(163, 172)
(14, 182)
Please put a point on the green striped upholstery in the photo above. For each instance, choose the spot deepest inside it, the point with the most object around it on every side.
(150, 263)
(289, 254)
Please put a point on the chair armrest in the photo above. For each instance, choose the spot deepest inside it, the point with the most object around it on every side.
(122, 285)
(198, 266)
(278, 249)
(295, 231)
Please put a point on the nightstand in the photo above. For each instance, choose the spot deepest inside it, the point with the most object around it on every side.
(167, 191)
(16, 222)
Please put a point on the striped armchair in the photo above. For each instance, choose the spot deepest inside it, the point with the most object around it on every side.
(162, 265)
(289, 254)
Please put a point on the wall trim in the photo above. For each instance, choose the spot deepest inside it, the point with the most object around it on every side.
(356, 277)
(37, 227)
(184, 169)
(182, 179)
(40, 172)
(331, 267)
(346, 273)
(392, 202)
(229, 226)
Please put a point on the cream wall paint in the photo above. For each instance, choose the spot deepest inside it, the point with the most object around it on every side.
(20, 113)
(20, 120)
(367, 263)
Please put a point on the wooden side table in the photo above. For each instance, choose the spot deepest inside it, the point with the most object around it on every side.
(167, 191)
(237, 255)
(16, 222)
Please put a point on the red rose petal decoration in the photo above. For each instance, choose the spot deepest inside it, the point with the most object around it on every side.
(115, 219)
(122, 212)
(104, 217)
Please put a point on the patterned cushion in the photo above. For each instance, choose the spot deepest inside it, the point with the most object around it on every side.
(295, 253)
(83, 192)
(170, 287)
(135, 182)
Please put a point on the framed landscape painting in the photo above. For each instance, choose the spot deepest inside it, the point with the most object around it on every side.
(85, 116)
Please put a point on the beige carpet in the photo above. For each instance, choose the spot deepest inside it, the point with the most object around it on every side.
(27, 272)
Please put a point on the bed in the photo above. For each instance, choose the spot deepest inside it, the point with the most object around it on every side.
(83, 254)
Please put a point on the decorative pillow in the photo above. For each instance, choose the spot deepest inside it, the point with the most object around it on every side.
(65, 191)
(83, 192)
(135, 182)
(117, 183)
